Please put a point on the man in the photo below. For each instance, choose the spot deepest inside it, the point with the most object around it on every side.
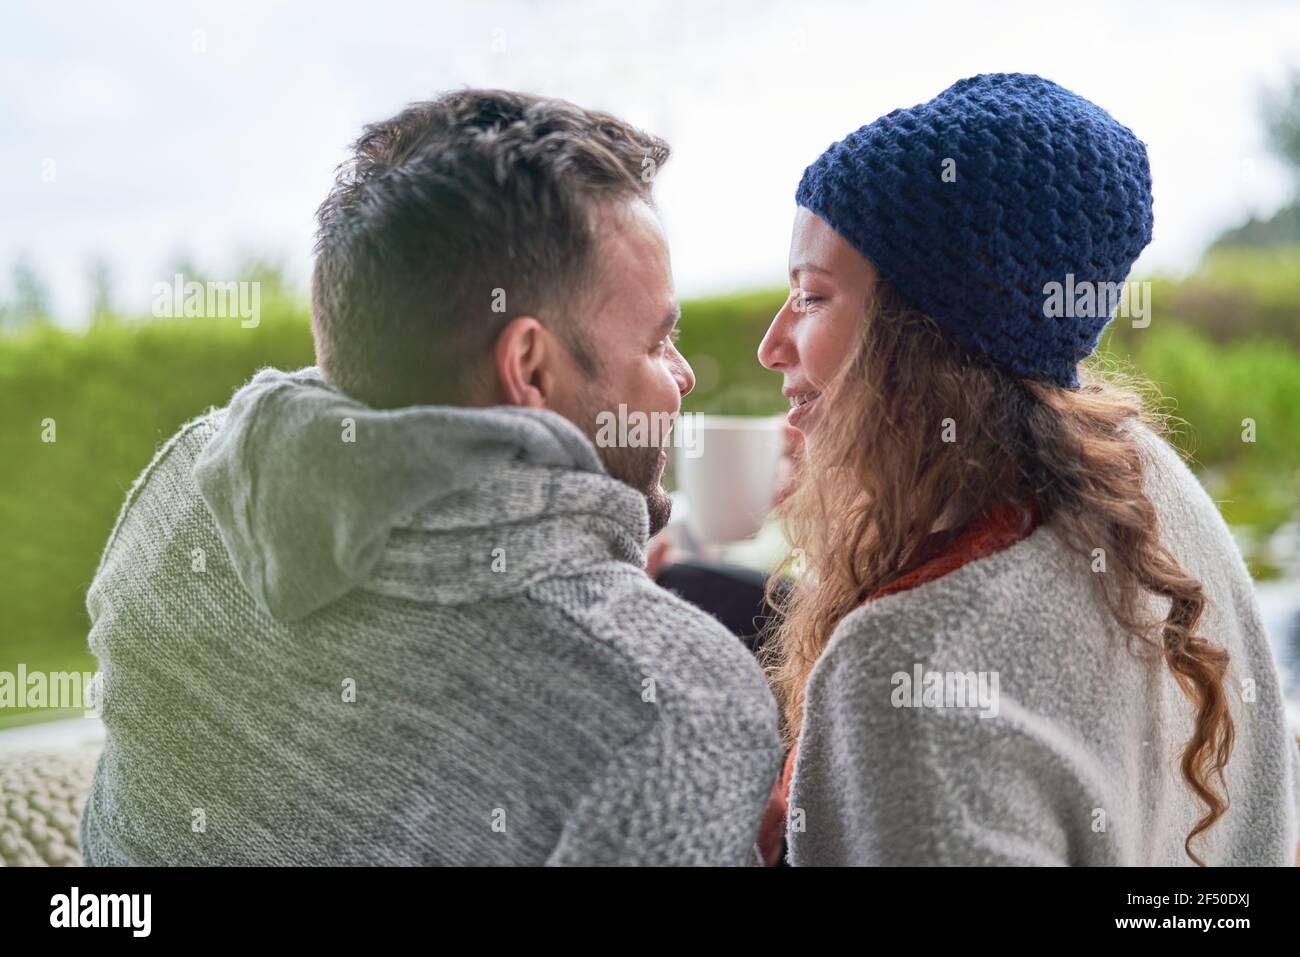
(393, 609)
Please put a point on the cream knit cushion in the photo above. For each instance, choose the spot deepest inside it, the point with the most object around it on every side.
(42, 792)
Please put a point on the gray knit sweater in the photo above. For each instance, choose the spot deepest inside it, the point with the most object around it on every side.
(331, 634)
(1072, 757)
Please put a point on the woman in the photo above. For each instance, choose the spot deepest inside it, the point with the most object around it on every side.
(1021, 633)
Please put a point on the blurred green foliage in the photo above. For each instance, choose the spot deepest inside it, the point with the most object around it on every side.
(115, 394)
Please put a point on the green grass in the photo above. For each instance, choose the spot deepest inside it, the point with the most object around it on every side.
(119, 390)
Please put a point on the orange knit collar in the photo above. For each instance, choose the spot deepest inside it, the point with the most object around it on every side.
(998, 528)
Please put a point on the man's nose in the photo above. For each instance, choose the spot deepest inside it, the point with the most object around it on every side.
(685, 376)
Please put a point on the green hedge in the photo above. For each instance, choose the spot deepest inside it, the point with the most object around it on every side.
(115, 394)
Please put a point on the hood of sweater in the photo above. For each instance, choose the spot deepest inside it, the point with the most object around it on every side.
(315, 494)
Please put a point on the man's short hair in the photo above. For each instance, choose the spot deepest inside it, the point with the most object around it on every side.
(452, 218)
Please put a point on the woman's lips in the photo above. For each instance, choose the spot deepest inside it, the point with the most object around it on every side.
(799, 412)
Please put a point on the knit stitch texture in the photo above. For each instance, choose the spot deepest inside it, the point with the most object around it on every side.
(42, 792)
(972, 203)
(434, 644)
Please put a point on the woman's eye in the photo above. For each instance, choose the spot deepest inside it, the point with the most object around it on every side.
(803, 300)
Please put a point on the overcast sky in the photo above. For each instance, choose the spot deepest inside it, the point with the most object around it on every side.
(143, 132)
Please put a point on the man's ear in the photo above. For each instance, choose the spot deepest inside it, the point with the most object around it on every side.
(524, 358)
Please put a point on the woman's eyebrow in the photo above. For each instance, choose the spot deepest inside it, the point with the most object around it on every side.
(808, 267)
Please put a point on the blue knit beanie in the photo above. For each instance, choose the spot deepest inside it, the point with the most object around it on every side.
(1043, 187)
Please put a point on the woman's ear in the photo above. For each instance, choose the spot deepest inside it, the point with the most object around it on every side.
(523, 358)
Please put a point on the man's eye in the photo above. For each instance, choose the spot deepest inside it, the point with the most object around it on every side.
(662, 344)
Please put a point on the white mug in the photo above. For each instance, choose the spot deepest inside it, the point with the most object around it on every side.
(727, 470)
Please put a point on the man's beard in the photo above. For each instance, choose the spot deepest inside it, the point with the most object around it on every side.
(636, 467)
(639, 468)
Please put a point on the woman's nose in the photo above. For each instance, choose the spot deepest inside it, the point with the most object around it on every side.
(772, 351)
